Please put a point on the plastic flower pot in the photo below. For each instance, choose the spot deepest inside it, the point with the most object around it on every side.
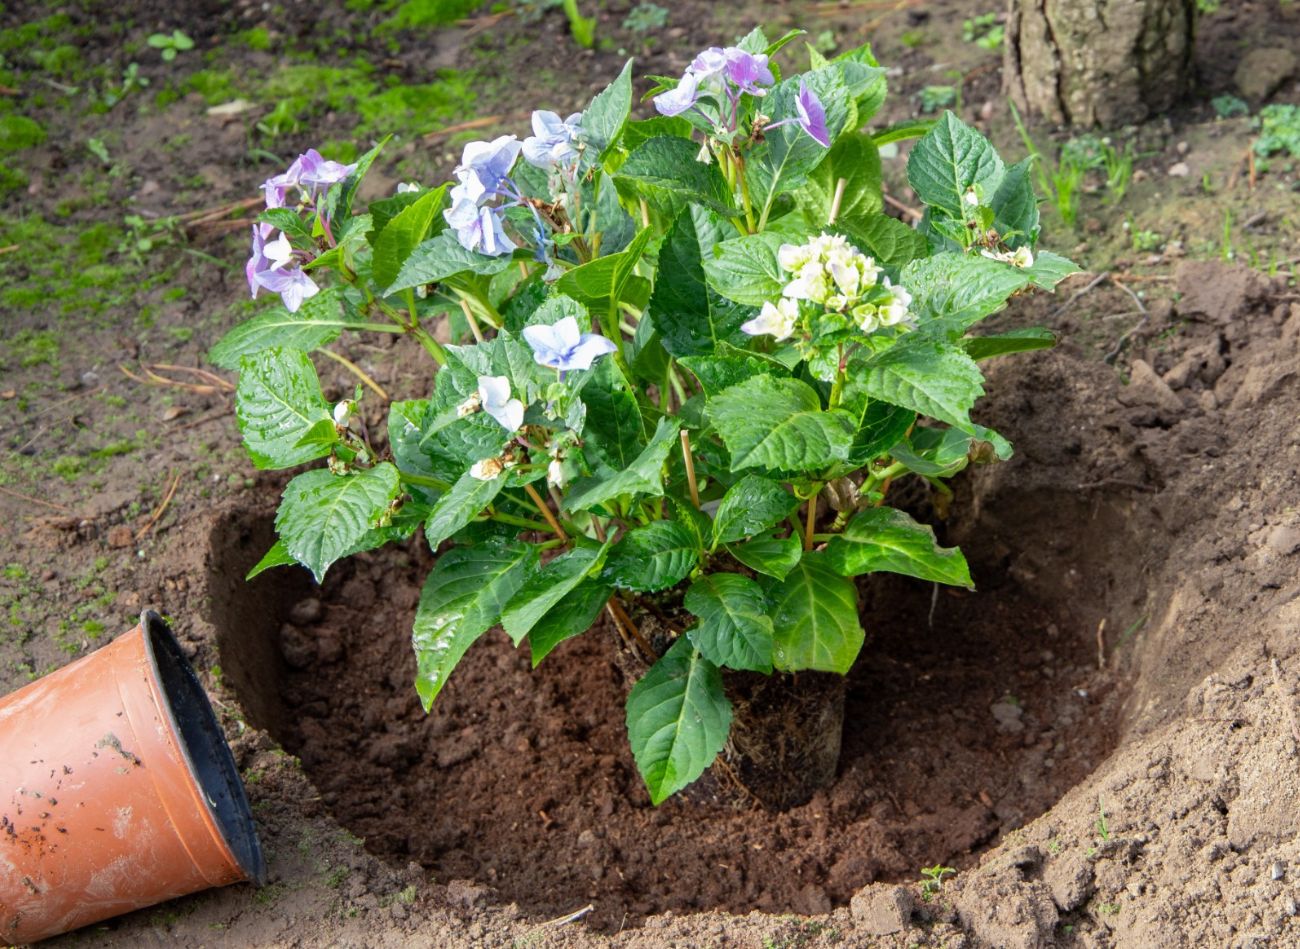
(117, 790)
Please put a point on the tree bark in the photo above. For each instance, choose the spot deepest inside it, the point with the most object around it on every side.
(1098, 62)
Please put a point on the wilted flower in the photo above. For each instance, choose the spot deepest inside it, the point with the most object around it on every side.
(563, 346)
(553, 140)
(489, 469)
(1021, 257)
(494, 393)
(777, 320)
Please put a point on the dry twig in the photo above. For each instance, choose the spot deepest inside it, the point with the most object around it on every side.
(153, 518)
(28, 497)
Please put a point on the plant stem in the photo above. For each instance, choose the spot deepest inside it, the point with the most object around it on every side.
(624, 622)
(514, 521)
(690, 468)
(469, 318)
(545, 509)
(835, 202)
(810, 527)
(431, 345)
(423, 480)
(357, 371)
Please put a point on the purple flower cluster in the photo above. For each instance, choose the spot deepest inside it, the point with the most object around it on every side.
(718, 74)
(274, 264)
(719, 77)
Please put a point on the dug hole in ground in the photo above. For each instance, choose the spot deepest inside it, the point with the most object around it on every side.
(1101, 740)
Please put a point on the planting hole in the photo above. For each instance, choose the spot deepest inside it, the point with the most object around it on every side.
(968, 715)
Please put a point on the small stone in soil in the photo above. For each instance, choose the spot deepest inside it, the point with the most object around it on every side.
(119, 535)
(306, 611)
(881, 909)
(1008, 716)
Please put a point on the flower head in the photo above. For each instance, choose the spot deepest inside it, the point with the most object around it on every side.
(292, 283)
(749, 72)
(894, 312)
(812, 116)
(777, 320)
(478, 229)
(553, 140)
(484, 166)
(678, 100)
(494, 394)
(316, 173)
(563, 346)
(343, 413)
(257, 261)
(1021, 257)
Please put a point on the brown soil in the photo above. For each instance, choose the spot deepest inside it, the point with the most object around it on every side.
(1157, 494)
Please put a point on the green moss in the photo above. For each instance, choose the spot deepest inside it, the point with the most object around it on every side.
(215, 85)
(17, 132)
(416, 107)
(34, 348)
(259, 37)
(414, 14)
(38, 34)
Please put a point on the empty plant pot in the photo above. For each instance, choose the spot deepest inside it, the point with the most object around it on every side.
(117, 790)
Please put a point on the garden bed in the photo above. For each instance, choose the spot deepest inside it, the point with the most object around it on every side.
(1165, 508)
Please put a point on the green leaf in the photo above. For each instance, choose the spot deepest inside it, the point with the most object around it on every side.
(323, 517)
(572, 616)
(815, 618)
(934, 452)
(460, 505)
(384, 210)
(603, 120)
(600, 283)
(678, 719)
(666, 173)
(951, 158)
(880, 425)
(883, 539)
(644, 476)
(441, 257)
(692, 319)
(318, 322)
(1050, 269)
(735, 629)
(652, 558)
(558, 307)
(1014, 341)
(885, 238)
(771, 556)
(745, 269)
(1015, 206)
(287, 220)
(751, 506)
(462, 598)
(403, 234)
(928, 376)
(277, 401)
(952, 292)
(779, 424)
(903, 131)
(855, 159)
(545, 588)
(277, 556)
(719, 372)
(613, 428)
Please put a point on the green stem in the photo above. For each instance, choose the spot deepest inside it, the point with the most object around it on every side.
(524, 522)
(837, 387)
(423, 480)
(744, 194)
(431, 345)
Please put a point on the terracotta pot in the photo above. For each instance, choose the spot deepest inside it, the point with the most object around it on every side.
(117, 790)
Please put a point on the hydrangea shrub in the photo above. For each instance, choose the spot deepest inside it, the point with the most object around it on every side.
(702, 354)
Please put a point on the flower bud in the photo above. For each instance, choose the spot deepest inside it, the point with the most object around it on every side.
(343, 413)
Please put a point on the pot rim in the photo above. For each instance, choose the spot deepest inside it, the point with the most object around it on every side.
(202, 745)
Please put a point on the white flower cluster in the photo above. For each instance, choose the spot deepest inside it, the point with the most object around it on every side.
(1021, 257)
(831, 272)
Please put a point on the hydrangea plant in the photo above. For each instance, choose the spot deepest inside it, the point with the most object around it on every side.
(702, 353)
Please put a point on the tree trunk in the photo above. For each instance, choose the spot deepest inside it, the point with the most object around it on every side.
(1098, 62)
